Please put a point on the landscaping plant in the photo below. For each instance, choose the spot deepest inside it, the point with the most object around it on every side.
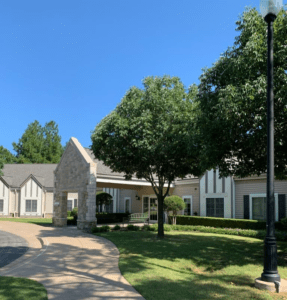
(173, 204)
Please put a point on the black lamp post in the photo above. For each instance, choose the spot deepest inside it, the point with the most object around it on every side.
(269, 10)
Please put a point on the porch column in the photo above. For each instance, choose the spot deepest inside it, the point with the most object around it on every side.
(60, 209)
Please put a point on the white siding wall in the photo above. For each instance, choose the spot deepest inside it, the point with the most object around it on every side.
(227, 195)
(218, 182)
(4, 194)
(31, 191)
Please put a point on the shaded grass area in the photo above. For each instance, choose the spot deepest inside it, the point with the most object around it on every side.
(39, 221)
(13, 288)
(190, 265)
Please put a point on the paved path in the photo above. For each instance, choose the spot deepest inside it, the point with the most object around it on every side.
(71, 264)
(11, 248)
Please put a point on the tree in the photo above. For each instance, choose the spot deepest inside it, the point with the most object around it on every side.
(39, 144)
(174, 204)
(53, 148)
(231, 101)
(103, 198)
(6, 157)
(151, 135)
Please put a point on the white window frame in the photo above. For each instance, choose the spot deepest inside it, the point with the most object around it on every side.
(224, 200)
(130, 204)
(263, 195)
(31, 212)
(190, 199)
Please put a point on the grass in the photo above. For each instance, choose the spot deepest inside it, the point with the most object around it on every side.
(38, 221)
(13, 288)
(192, 265)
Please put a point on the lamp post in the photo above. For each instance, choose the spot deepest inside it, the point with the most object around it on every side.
(269, 10)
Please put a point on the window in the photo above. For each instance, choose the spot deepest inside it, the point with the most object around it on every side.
(127, 208)
(145, 205)
(188, 208)
(1, 205)
(75, 203)
(215, 207)
(31, 205)
(259, 208)
(70, 205)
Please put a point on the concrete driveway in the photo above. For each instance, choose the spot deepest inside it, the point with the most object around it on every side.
(71, 264)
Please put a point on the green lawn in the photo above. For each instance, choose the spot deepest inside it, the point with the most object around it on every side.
(190, 265)
(38, 221)
(13, 288)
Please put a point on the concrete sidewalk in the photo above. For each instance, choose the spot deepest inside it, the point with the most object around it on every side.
(71, 264)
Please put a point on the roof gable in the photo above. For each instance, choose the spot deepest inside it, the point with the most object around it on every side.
(16, 174)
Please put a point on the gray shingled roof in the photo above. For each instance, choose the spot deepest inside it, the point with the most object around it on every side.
(16, 174)
(101, 168)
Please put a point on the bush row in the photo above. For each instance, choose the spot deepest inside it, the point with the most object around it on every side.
(260, 234)
(223, 223)
(103, 218)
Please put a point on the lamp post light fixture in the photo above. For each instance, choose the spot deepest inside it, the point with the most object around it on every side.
(269, 10)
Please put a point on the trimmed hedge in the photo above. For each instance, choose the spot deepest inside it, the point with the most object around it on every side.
(259, 234)
(223, 223)
(103, 218)
(101, 229)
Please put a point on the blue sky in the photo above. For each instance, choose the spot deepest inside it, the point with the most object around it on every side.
(73, 61)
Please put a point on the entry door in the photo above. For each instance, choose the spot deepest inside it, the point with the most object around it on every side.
(153, 209)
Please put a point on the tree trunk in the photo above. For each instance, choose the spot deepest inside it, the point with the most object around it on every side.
(160, 233)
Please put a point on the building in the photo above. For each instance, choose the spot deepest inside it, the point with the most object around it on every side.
(45, 190)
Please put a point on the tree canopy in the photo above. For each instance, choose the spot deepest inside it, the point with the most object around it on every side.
(39, 144)
(231, 101)
(151, 134)
(174, 204)
(6, 157)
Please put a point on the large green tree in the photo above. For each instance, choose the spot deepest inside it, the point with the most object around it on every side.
(231, 101)
(151, 135)
(39, 144)
(6, 157)
(53, 148)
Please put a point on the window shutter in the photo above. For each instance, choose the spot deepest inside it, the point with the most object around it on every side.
(282, 206)
(246, 206)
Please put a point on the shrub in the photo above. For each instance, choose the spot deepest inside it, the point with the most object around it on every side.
(145, 228)
(69, 213)
(174, 204)
(133, 227)
(106, 228)
(100, 229)
(117, 227)
(74, 212)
